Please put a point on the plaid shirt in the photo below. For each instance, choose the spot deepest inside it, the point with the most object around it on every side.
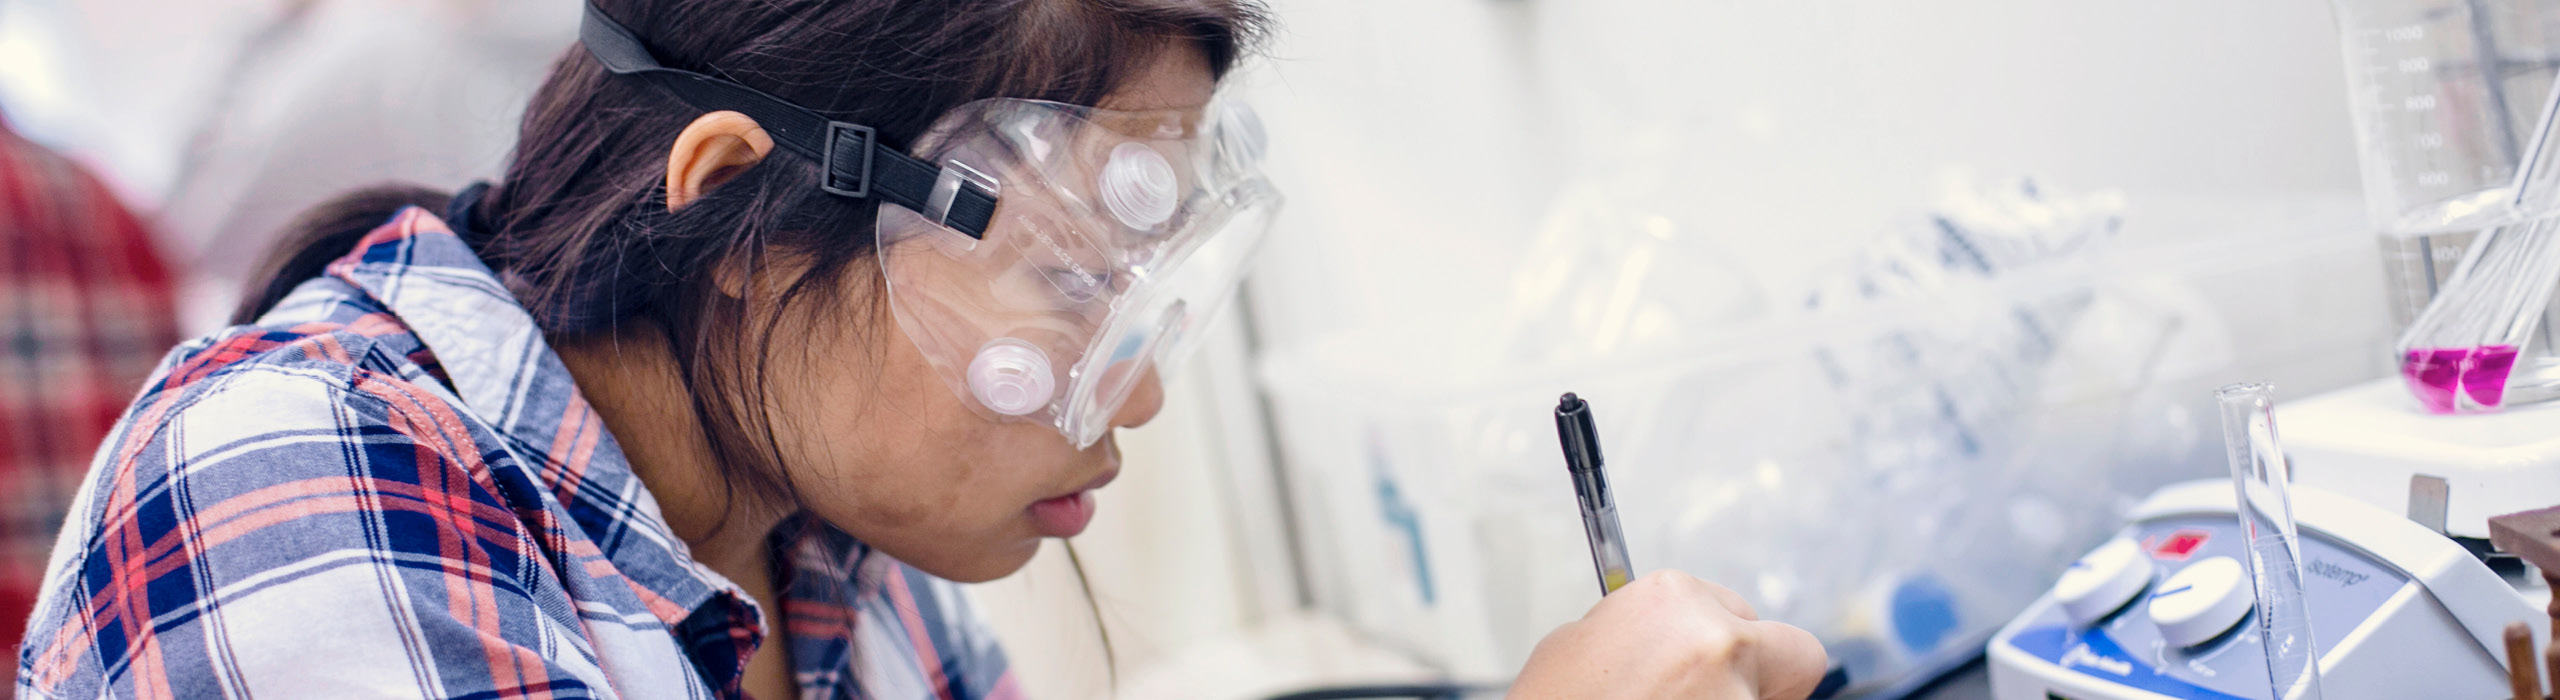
(391, 488)
(86, 310)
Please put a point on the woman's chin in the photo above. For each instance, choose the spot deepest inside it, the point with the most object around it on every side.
(981, 566)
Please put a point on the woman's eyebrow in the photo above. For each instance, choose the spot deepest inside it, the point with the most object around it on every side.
(1156, 101)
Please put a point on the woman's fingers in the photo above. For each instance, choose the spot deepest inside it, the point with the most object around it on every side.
(1788, 661)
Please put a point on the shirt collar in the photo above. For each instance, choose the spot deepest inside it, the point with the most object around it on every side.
(497, 362)
(495, 359)
(831, 573)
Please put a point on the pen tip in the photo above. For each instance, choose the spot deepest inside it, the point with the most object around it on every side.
(1569, 402)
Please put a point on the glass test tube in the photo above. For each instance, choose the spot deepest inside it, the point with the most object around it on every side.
(2261, 479)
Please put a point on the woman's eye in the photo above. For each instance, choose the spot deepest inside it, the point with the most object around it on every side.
(1077, 285)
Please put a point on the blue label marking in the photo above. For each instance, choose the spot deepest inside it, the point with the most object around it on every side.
(2094, 654)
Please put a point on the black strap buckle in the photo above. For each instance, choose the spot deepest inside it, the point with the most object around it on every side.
(847, 142)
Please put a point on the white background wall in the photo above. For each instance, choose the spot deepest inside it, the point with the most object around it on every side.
(1418, 139)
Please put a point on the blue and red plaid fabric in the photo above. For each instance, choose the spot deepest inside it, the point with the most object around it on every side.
(86, 310)
(390, 487)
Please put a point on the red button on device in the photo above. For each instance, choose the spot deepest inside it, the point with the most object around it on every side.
(2180, 545)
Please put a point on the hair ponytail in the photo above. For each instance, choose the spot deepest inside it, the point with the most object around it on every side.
(322, 235)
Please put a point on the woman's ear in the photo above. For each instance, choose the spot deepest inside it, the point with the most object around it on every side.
(714, 148)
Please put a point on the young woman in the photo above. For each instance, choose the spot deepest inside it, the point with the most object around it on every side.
(787, 314)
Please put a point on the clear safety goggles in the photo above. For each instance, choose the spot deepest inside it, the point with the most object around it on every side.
(1116, 239)
(1045, 258)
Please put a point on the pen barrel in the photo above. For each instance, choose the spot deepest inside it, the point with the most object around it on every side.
(1581, 439)
(1593, 488)
(1608, 548)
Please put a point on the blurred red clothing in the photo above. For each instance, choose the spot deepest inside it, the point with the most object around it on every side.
(86, 311)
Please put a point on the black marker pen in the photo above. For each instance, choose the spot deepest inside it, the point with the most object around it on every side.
(1599, 511)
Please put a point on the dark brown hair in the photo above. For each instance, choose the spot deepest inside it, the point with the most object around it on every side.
(580, 229)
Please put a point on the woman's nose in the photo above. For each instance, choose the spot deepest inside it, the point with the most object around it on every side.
(1144, 401)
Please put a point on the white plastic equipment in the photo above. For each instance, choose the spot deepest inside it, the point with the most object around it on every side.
(2399, 610)
(2366, 442)
(2103, 581)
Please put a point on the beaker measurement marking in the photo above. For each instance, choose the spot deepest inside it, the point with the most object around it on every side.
(2418, 103)
(2429, 141)
(2416, 65)
(2434, 178)
(2412, 32)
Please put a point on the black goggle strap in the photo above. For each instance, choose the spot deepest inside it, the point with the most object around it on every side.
(853, 163)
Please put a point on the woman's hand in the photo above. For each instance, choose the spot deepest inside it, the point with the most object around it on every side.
(1669, 635)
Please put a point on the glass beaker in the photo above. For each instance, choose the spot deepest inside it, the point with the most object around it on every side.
(2450, 99)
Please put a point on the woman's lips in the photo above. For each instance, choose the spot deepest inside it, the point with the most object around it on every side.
(1067, 516)
(1064, 516)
